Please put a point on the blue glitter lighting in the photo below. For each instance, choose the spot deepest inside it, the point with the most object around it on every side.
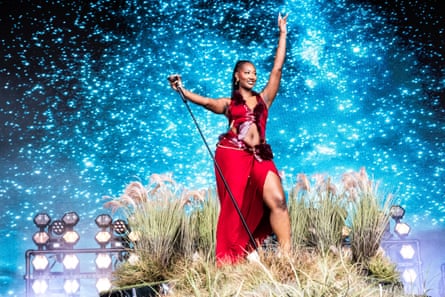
(86, 106)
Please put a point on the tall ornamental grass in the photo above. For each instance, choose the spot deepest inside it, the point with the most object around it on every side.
(318, 214)
(336, 232)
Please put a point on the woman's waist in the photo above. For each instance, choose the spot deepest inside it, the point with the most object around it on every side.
(226, 141)
(261, 151)
(247, 142)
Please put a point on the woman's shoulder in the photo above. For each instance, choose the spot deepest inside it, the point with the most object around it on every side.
(219, 105)
(226, 99)
(262, 97)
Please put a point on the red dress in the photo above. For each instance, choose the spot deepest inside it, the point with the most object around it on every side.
(245, 172)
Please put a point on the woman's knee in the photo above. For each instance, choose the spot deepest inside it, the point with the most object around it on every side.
(273, 192)
(281, 203)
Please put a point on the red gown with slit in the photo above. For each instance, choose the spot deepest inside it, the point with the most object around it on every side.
(245, 173)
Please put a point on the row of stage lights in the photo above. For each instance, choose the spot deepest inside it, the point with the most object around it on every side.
(56, 260)
(404, 252)
(56, 240)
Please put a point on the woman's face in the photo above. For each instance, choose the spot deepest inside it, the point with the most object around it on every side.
(246, 76)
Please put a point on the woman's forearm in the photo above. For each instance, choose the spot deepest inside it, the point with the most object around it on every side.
(281, 51)
(214, 105)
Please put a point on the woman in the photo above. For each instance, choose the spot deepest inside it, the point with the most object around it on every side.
(246, 162)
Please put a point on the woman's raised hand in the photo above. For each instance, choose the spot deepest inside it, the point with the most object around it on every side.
(282, 23)
(175, 81)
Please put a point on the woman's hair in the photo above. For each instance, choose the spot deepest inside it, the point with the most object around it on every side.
(238, 64)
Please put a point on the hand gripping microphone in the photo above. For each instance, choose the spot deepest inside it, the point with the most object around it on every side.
(174, 78)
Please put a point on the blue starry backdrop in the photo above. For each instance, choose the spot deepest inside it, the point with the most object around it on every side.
(86, 107)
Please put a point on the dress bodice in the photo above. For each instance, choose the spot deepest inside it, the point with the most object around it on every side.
(241, 117)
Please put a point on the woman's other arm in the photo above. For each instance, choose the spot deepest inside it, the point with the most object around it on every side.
(218, 106)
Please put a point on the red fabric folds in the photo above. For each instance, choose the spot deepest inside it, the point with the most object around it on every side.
(245, 176)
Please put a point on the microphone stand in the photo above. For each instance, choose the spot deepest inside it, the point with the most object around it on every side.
(226, 185)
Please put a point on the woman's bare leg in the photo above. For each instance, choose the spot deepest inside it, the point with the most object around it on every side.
(275, 199)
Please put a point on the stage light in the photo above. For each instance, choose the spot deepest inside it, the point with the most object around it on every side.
(103, 238)
(103, 285)
(103, 221)
(409, 275)
(103, 261)
(71, 238)
(397, 212)
(407, 252)
(120, 227)
(71, 286)
(133, 236)
(40, 286)
(70, 261)
(70, 219)
(40, 238)
(57, 227)
(40, 263)
(406, 255)
(41, 220)
(57, 258)
(402, 229)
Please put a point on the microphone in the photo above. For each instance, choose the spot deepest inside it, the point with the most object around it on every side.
(174, 78)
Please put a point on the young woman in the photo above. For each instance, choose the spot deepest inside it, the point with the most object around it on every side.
(245, 160)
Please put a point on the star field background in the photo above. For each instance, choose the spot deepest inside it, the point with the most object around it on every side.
(86, 106)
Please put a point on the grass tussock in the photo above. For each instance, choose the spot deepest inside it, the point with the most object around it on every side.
(336, 232)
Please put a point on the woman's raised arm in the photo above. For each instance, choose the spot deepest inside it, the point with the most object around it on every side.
(271, 89)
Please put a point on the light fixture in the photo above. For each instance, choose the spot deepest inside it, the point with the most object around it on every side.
(55, 230)
(103, 221)
(40, 238)
(40, 263)
(402, 229)
(57, 227)
(70, 262)
(71, 286)
(42, 220)
(121, 231)
(407, 252)
(120, 227)
(103, 284)
(397, 212)
(71, 238)
(54, 266)
(103, 261)
(409, 275)
(39, 286)
(133, 236)
(103, 238)
(70, 219)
